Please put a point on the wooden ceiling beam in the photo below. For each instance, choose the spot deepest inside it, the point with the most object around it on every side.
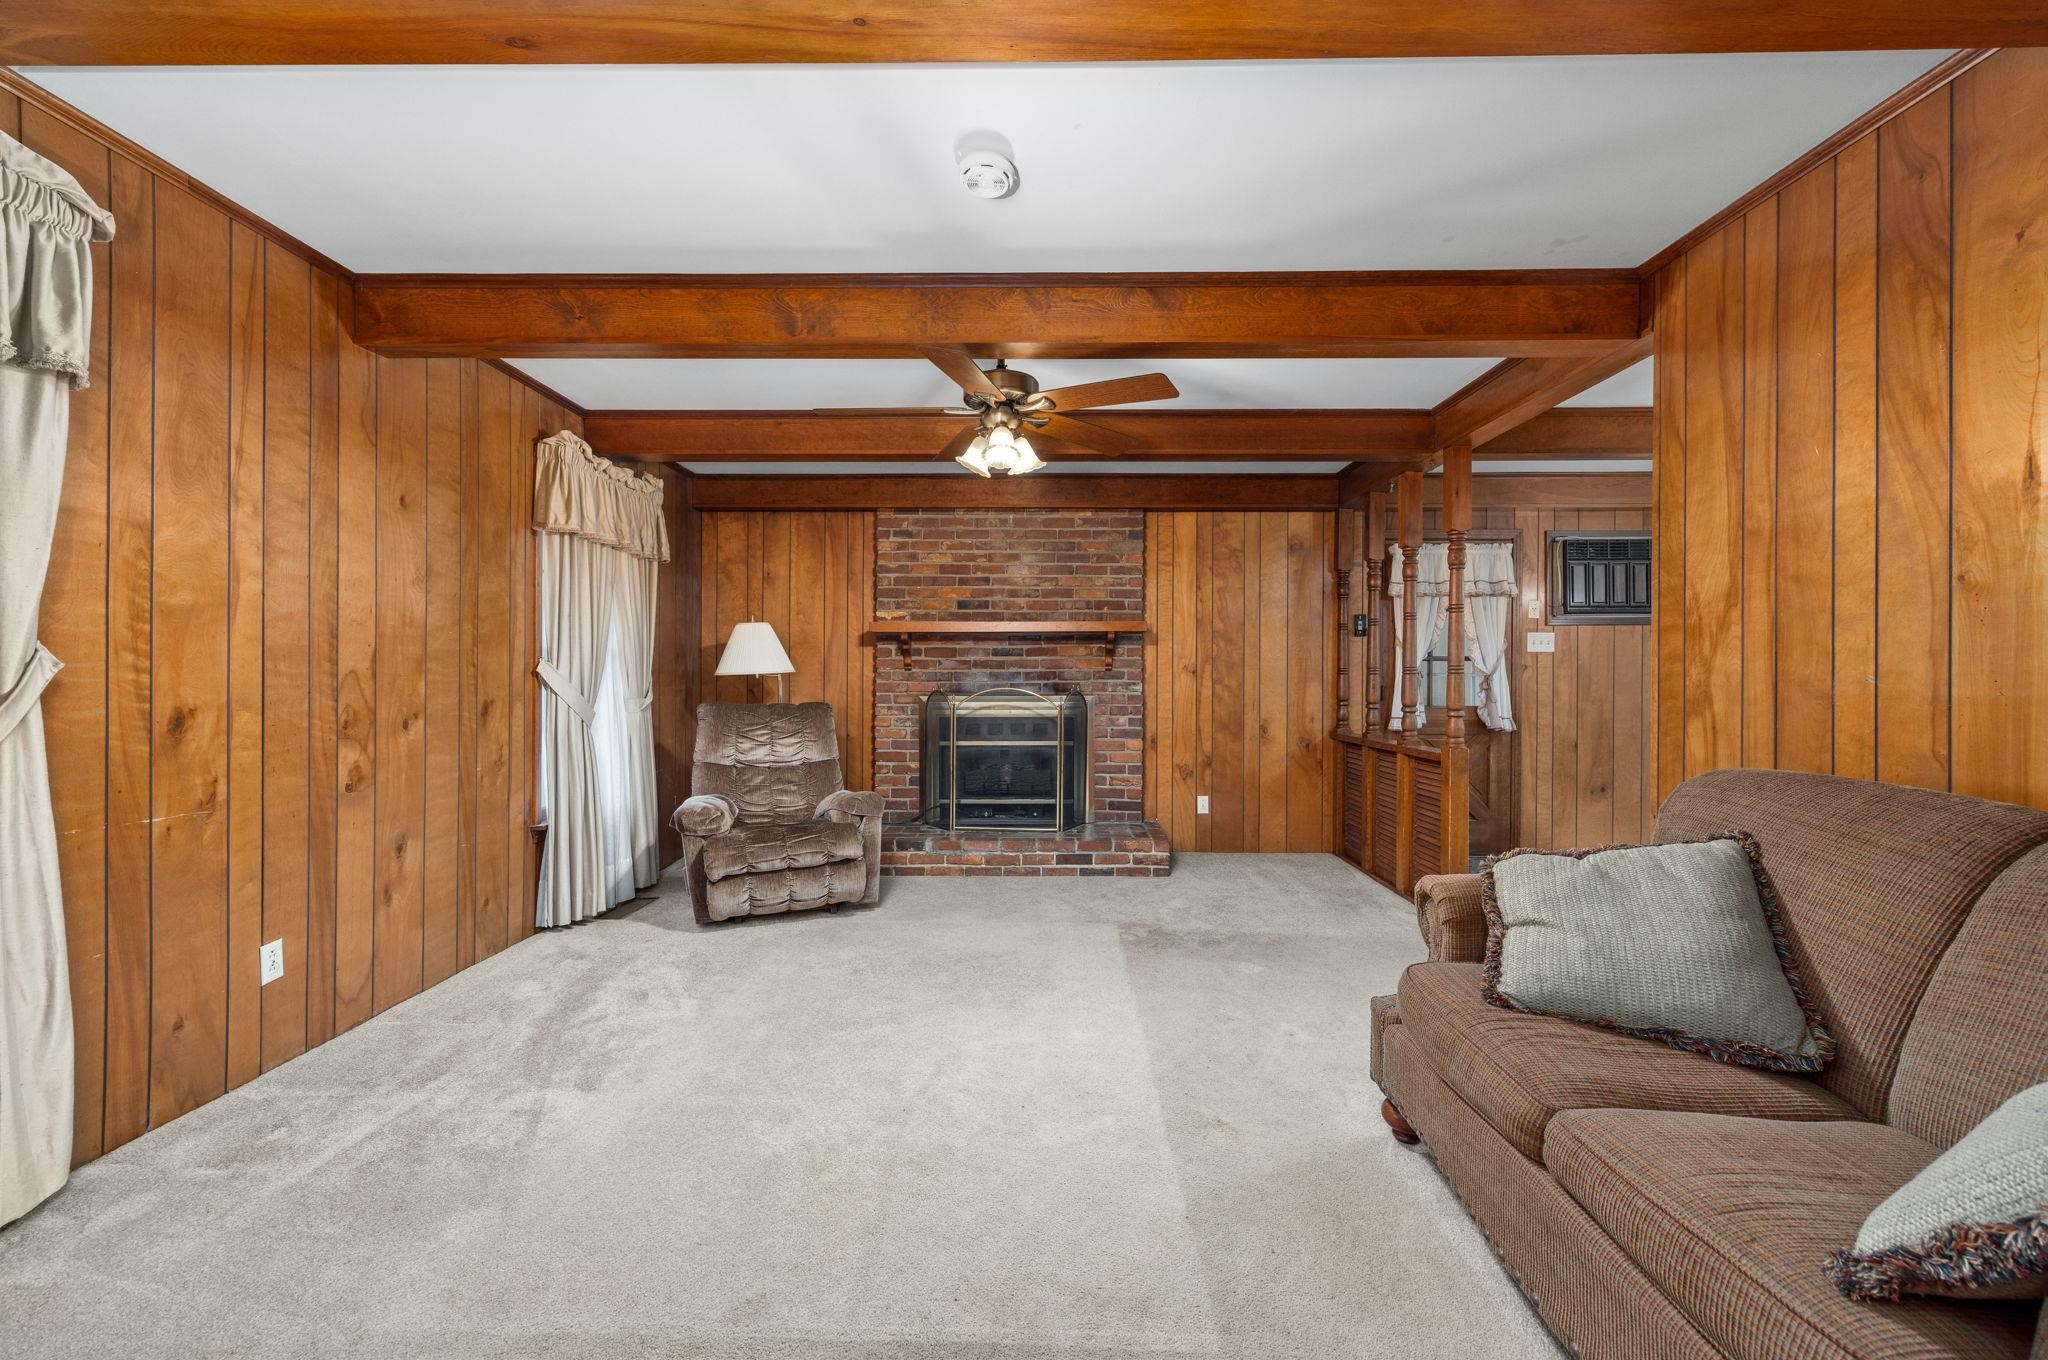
(399, 32)
(1518, 390)
(1157, 436)
(1575, 432)
(1041, 491)
(1575, 313)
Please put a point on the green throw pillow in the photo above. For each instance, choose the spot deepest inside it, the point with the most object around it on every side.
(1680, 942)
(1974, 1224)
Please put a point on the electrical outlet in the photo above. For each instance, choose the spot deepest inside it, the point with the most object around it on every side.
(272, 955)
(1542, 642)
(1535, 611)
(1202, 803)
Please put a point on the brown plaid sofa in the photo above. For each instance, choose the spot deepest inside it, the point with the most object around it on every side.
(1657, 1205)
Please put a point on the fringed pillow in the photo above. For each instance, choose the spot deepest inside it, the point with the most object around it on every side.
(1680, 942)
(1974, 1224)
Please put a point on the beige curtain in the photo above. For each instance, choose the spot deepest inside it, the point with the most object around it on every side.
(596, 520)
(1432, 590)
(1490, 591)
(46, 227)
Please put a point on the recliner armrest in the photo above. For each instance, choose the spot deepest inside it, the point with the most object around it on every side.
(1453, 923)
(846, 805)
(705, 814)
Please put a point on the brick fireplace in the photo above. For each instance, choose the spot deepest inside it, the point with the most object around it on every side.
(933, 565)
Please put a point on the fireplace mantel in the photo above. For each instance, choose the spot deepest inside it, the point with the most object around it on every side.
(904, 630)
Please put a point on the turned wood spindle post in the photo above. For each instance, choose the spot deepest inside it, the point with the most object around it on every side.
(1343, 648)
(1375, 588)
(1457, 759)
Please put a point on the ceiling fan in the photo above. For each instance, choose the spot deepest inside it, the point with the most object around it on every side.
(1010, 412)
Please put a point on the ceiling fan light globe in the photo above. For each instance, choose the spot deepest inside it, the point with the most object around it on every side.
(1024, 458)
(975, 457)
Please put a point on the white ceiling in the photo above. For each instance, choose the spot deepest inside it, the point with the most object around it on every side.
(805, 384)
(1630, 387)
(1460, 164)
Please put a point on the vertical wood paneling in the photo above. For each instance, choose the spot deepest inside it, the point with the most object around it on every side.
(1760, 486)
(399, 916)
(1668, 473)
(2000, 718)
(1713, 501)
(1856, 459)
(244, 801)
(1907, 515)
(1912, 606)
(220, 576)
(1239, 668)
(287, 646)
(1806, 470)
(131, 495)
(189, 658)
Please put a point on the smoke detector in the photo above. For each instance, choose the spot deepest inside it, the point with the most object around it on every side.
(988, 174)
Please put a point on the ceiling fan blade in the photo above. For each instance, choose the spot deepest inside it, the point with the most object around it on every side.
(959, 365)
(1112, 392)
(957, 445)
(1069, 430)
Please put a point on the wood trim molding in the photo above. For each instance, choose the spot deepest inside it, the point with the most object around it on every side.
(31, 93)
(1883, 112)
(1568, 313)
(1576, 432)
(262, 32)
(1042, 491)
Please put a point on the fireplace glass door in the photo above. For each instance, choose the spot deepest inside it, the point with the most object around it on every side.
(1006, 757)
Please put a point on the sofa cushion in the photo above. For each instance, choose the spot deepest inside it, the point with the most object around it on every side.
(1874, 881)
(1518, 1071)
(1980, 1034)
(1678, 942)
(1734, 1219)
(765, 849)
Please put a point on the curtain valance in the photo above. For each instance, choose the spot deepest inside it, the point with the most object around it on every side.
(47, 227)
(580, 494)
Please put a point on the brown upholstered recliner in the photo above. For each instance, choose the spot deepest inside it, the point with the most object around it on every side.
(771, 826)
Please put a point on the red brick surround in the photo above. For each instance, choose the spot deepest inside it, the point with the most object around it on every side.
(999, 564)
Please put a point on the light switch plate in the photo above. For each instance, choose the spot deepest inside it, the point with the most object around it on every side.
(272, 955)
(1542, 642)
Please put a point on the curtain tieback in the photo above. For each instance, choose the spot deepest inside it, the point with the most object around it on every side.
(578, 702)
(645, 700)
(20, 699)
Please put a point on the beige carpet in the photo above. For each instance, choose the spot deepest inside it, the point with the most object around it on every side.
(996, 1119)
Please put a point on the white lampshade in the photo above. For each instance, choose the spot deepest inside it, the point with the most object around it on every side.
(753, 649)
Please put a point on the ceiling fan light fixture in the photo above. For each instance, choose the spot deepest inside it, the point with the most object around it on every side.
(1026, 459)
(975, 457)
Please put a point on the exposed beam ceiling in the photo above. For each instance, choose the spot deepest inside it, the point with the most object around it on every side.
(1395, 437)
(1579, 313)
(1158, 436)
(1518, 390)
(313, 32)
(1047, 491)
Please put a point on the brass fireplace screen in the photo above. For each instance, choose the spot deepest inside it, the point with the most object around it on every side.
(1006, 757)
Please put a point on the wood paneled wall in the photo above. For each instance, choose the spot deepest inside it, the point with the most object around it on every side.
(1851, 515)
(677, 685)
(291, 588)
(1240, 677)
(1581, 749)
(811, 573)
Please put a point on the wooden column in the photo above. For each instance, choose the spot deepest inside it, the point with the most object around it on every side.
(1408, 493)
(1375, 593)
(1457, 762)
(1344, 648)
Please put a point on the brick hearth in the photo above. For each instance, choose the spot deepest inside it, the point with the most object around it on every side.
(994, 564)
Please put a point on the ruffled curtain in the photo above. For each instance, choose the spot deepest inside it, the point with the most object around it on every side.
(1490, 590)
(603, 539)
(1432, 590)
(47, 227)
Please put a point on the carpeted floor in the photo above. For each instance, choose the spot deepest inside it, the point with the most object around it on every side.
(995, 1119)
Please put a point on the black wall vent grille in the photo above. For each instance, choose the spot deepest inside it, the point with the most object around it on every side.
(1600, 577)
